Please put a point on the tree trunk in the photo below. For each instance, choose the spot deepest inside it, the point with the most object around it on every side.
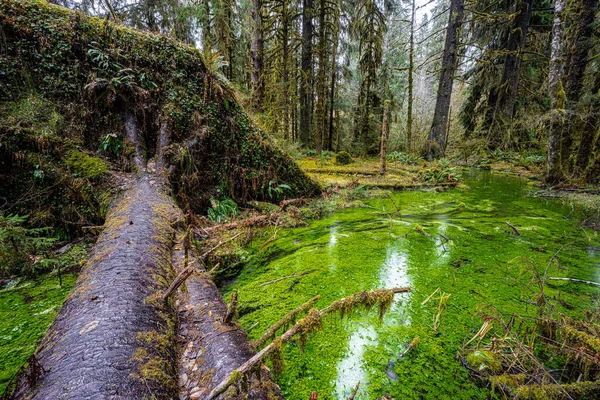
(436, 140)
(306, 73)
(257, 49)
(509, 82)
(215, 347)
(411, 67)
(331, 102)
(577, 58)
(384, 137)
(557, 94)
(286, 74)
(590, 130)
(101, 344)
(321, 80)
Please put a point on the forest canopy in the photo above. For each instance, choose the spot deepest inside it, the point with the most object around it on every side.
(461, 76)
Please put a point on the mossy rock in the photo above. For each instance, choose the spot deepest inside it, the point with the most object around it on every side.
(343, 158)
(86, 166)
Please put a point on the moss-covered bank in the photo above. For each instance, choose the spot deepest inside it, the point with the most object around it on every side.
(94, 70)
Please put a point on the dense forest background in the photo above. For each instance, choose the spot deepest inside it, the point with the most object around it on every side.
(462, 76)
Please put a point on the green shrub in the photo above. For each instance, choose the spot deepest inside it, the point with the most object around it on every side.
(403, 158)
(111, 143)
(222, 210)
(439, 172)
(86, 166)
(343, 158)
(20, 246)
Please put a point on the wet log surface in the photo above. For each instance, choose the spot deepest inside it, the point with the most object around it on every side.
(103, 343)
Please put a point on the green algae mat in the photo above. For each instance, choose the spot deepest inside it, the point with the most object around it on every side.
(27, 310)
(455, 245)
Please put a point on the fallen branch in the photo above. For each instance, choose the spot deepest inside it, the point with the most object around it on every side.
(182, 277)
(187, 272)
(286, 319)
(575, 280)
(301, 327)
(413, 343)
(514, 228)
(293, 202)
(253, 221)
(285, 277)
(353, 395)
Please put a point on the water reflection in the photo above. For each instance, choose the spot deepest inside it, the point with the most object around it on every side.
(351, 368)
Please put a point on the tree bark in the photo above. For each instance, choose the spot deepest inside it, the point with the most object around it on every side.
(434, 148)
(257, 49)
(577, 58)
(306, 73)
(384, 137)
(411, 67)
(509, 82)
(321, 81)
(554, 173)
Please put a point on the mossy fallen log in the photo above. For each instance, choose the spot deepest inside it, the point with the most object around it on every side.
(113, 337)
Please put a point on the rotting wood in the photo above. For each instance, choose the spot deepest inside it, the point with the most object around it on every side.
(285, 277)
(294, 202)
(289, 317)
(298, 328)
(514, 228)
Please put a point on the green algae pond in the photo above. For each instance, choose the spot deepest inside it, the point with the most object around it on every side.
(455, 245)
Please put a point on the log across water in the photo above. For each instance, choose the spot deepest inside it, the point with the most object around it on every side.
(108, 338)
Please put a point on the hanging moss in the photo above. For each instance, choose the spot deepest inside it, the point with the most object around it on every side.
(383, 298)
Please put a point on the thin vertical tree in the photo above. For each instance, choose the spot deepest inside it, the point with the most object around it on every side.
(257, 50)
(384, 137)
(411, 69)
(306, 65)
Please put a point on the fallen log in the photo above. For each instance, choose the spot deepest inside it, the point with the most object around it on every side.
(189, 270)
(99, 345)
(214, 345)
(382, 297)
(293, 202)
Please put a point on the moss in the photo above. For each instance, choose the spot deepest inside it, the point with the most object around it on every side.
(579, 390)
(485, 360)
(85, 165)
(353, 249)
(27, 308)
(343, 158)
